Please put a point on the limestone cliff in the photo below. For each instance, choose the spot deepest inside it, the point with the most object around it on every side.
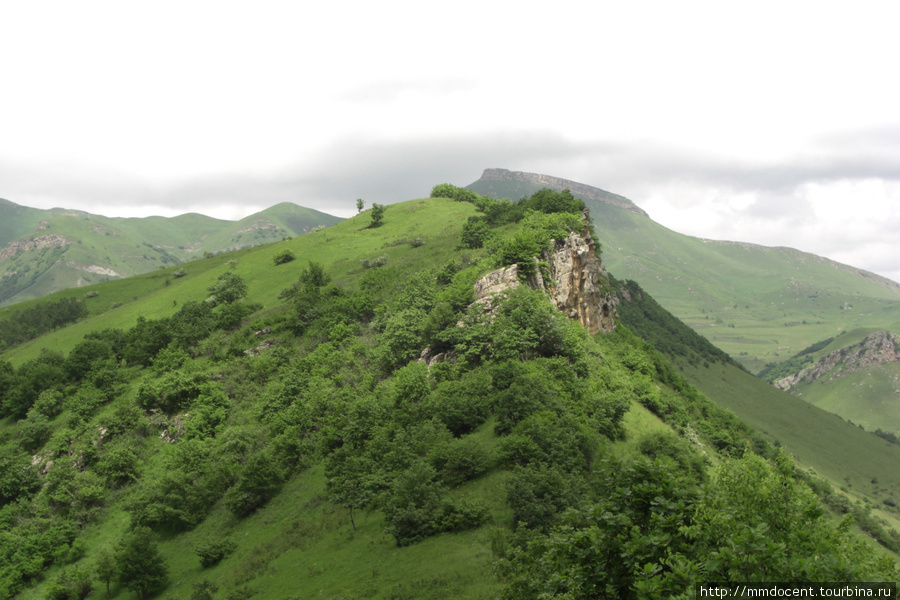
(878, 347)
(578, 283)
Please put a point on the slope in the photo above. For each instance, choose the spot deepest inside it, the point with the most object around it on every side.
(759, 304)
(855, 375)
(292, 444)
(47, 250)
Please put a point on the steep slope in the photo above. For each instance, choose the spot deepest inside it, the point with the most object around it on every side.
(42, 251)
(855, 375)
(293, 443)
(759, 304)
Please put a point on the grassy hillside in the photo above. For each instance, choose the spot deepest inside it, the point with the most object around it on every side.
(758, 304)
(284, 440)
(855, 375)
(42, 251)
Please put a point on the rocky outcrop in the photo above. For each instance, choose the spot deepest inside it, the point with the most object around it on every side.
(580, 190)
(580, 286)
(36, 243)
(578, 283)
(876, 348)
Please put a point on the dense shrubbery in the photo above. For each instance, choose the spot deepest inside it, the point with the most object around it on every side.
(32, 322)
(520, 389)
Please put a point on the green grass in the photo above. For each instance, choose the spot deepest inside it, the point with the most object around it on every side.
(844, 454)
(99, 248)
(758, 304)
(158, 294)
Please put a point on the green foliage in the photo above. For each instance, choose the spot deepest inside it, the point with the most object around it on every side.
(261, 479)
(475, 233)
(377, 215)
(213, 551)
(538, 493)
(459, 460)
(172, 392)
(34, 321)
(285, 256)
(552, 201)
(140, 565)
(229, 288)
(447, 190)
(461, 405)
(72, 583)
(654, 324)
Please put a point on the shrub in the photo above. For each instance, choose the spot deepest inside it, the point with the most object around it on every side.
(211, 552)
(285, 256)
(460, 460)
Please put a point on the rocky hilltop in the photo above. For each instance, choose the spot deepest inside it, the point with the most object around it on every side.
(878, 347)
(578, 284)
(579, 190)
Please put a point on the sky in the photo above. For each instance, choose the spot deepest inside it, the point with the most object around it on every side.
(768, 122)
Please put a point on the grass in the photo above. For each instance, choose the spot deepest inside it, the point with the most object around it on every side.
(158, 294)
(758, 304)
(846, 455)
(125, 247)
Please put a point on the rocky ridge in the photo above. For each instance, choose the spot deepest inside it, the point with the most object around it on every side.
(876, 348)
(578, 283)
(579, 190)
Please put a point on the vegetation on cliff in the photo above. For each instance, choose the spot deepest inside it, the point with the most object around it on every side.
(324, 417)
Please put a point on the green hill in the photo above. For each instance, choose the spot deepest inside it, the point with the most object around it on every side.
(358, 423)
(759, 304)
(42, 251)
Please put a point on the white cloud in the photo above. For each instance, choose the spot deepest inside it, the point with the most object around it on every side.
(758, 122)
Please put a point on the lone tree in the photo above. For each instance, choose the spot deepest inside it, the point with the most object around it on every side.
(140, 565)
(359, 205)
(377, 214)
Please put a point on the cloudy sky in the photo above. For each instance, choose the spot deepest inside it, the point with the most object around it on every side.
(767, 122)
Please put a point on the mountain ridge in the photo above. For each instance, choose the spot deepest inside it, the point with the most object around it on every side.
(42, 251)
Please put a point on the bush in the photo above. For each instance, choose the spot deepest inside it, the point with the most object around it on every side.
(285, 256)
(460, 460)
(212, 552)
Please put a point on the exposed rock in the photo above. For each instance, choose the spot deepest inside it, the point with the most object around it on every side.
(95, 269)
(36, 243)
(578, 189)
(578, 285)
(876, 348)
(262, 347)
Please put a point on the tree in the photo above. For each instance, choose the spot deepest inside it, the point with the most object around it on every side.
(139, 563)
(105, 567)
(359, 205)
(377, 214)
(285, 256)
(229, 288)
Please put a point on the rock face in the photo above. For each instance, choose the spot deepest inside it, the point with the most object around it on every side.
(578, 285)
(878, 347)
(578, 189)
(36, 243)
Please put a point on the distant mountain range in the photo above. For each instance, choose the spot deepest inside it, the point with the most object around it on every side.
(43, 251)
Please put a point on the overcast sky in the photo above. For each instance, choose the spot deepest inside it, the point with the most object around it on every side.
(769, 122)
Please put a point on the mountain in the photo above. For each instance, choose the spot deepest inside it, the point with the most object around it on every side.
(42, 251)
(759, 304)
(403, 412)
(855, 374)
